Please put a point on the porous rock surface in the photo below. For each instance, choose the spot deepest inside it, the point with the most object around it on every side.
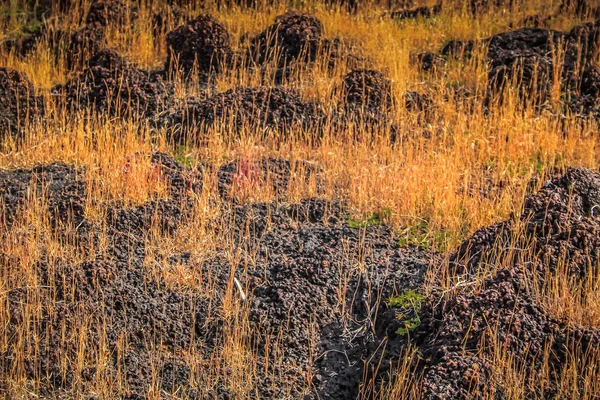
(303, 267)
(113, 84)
(256, 108)
(18, 102)
(563, 229)
(202, 42)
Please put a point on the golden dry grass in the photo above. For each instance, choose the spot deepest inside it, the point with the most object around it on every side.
(430, 181)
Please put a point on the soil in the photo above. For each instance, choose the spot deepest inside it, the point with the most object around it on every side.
(112, 84)
(18, 102)
(203, 42)
(262, 107)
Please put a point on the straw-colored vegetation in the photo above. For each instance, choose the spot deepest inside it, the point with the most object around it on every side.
(448, 174)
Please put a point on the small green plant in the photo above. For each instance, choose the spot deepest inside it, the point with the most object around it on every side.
(183, 157)
(409, 305)
(376, 218)
(422, 235)
(409, 325)
(410, 298)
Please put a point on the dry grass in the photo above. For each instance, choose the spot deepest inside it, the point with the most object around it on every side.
(432, 182)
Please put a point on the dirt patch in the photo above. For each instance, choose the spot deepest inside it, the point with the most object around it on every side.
(18, 101)
(253, 108)
(563, 228)
(112, 84)
(203, 42)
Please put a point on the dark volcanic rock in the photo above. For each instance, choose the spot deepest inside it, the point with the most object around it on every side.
(275, 172)
(254, 108)
(368, 90)
(523, 59)
(526, 59)
(60, 184)
(563, 228)
(73, 47)
(579, 8)
(111, 288)
(419, 12)
(78, 46)
(303, 253)
(367, 98)
(418, 102)
(481, 6)
(428, 61)
(299, 272)
(161, 18)
(84, 43)
(111, 83)
(203, 42)
(293, 36)
(18, 102)
(104, 12)
(458, 48)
